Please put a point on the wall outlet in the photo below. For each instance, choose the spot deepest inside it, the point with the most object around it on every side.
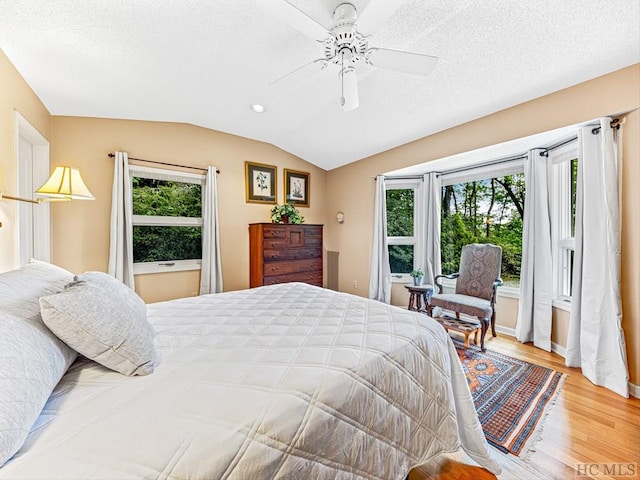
(354, 284)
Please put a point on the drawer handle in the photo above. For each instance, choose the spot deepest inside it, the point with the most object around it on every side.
(167, 264)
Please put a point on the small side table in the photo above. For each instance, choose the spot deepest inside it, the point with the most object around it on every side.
(419, 296)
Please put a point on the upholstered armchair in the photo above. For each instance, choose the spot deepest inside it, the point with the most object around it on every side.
(475, 294)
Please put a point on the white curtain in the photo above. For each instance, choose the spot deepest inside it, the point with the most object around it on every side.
(536, 277)
(121, 233)
(433, 198)
(211, 273)
(596, 340)
(380, 275)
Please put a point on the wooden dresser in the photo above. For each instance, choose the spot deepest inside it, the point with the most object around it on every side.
(281, 253)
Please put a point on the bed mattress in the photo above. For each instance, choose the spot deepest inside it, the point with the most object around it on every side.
(280, 382)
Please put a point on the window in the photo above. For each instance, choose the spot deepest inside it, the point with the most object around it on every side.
(167, 220)
(564, 181)
(404, 211)
(484, 205)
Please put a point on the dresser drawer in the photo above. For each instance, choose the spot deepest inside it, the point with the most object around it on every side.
(274, 231)
(307, 277)
(295, 266)
(273, 255)
(313, 232)
(274, 243)
(277, 243)
(312, 241)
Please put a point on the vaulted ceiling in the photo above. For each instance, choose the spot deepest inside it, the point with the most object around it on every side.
(205, 62)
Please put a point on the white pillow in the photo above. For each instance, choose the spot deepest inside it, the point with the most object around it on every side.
(104, 320)
(32, 359)
(21, 289)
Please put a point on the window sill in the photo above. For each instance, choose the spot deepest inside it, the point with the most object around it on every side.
(165, 267)
(505, 292)
(395, 278)
(509, 292)
(562, 305)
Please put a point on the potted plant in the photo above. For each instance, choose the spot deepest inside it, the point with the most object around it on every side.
(417, 276)
(286, 213)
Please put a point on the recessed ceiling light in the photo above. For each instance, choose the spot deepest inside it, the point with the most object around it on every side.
(257, 108)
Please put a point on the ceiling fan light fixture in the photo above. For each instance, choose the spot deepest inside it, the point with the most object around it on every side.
(257, 108)
(349, 99)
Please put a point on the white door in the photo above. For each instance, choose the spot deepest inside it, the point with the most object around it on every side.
(34, 224)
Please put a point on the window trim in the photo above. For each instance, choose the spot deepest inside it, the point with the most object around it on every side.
(143, 268)
(503, 291)
(418, 213)
(562, 243)
(482, 172)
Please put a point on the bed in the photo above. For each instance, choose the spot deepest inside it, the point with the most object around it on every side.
(286, 381)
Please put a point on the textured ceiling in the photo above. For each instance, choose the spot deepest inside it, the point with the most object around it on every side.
(205, 61)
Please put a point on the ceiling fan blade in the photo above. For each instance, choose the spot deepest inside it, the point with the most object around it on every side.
(376, 13)
(407, 62)
(349, 100)
(295, 17)
(301, 73)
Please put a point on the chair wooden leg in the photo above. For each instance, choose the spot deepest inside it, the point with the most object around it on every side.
(429, 309)
(484, 322)
(493, 323)
(466, 339)
(475, 337)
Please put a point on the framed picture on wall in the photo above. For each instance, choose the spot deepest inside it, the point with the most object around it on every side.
(261, 182)
(296, 188)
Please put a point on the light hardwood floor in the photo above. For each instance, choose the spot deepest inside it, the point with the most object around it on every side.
(590, 432)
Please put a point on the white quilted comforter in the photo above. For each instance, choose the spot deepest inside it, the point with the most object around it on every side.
(282, 382)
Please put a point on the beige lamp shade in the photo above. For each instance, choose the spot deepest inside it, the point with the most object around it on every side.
(66, 183)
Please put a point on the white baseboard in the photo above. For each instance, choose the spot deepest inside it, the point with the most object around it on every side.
(634, 390)
(559, 349)
(506, 330)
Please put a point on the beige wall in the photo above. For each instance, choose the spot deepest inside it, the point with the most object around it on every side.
(15, 96)
(81, 229)
(352, 187)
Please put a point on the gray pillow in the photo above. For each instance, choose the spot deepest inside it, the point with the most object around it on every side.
(104, 320)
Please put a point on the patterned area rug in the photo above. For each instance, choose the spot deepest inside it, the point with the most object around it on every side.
(510, 396)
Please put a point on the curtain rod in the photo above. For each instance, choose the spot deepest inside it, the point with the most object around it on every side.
(485, 164)
(546, 151)
(461, 169)
(615, 123)
(111, 155)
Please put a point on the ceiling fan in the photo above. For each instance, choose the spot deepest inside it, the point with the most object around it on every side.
(346, 44)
